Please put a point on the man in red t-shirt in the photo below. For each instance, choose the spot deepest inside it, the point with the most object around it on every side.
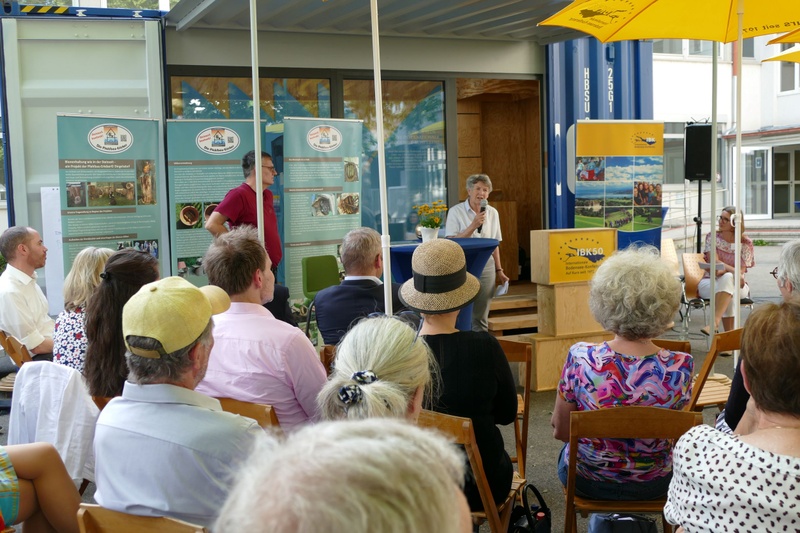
(239, 206)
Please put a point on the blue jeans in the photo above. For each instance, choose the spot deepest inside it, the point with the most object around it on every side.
(609, 490)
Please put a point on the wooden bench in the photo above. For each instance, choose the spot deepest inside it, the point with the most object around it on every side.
(498, 324)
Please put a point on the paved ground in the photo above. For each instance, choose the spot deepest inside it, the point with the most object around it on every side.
(543, 449)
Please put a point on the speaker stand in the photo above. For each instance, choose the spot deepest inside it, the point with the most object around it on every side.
(698, 220)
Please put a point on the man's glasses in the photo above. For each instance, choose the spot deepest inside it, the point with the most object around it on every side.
(774, 272)
(270, 168)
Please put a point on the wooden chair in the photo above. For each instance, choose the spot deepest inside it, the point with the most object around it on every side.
(95, 519)
(692, 274)
(101, 401)
(460, 430)
(707, 392)
(15, 350)
(261, 413)
(327, 355)
(674, 345)
(520, 352)
(622, 423)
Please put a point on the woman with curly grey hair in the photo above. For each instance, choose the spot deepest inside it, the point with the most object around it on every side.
(635, 296)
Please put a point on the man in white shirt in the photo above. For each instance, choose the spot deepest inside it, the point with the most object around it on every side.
(256, 357)
(163, 449)
(23, 307)
(466, 220)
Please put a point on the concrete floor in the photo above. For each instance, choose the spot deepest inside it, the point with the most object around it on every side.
(543, 449)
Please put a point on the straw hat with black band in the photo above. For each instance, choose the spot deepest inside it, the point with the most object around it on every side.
(440, 283)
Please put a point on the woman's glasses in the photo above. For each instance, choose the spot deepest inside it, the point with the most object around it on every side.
(774, 272)
(721, 218)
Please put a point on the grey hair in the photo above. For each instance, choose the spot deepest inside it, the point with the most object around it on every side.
(475, 178)
(166, 369)
(348, 477)
(359, 248)
(11, 239)
(634, 294)
(249, 162)
(789, 264)
(390, 349)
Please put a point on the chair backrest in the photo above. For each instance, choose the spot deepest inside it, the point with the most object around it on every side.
(521, 352)
(261, 413)
(670, 256)
(327, 355)
(16, 351)
(723, 342)
(319, 272)
(692, 274)
(101, 401)
(674, 345)
(460, 430)
(95, 519)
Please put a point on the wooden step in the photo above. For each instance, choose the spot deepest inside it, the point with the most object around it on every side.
(516, 301)
(503, 323)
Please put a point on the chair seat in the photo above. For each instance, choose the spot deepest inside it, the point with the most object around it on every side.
(648, 506)
(516, 486)
(714, 393)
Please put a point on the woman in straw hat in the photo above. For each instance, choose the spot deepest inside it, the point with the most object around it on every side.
(476, 380)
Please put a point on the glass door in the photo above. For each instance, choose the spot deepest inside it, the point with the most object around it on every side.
(756, 190)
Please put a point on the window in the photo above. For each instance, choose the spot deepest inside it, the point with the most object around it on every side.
(788, 72)
(668, 46)
(748, 48)
(700, 48)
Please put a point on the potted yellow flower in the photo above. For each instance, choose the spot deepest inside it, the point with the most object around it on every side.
(430, 219)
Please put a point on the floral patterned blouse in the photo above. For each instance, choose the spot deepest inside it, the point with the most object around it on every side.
(597, 377)
(69, 339)
(726, 252)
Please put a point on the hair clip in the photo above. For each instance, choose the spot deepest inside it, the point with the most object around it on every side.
(106, 275)
(364, 377)
(349, 394)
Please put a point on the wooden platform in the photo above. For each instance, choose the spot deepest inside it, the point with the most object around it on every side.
(516, 310)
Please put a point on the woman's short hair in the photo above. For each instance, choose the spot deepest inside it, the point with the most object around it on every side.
(84, 276)
(475, 178)
(731, 210)
(771, 356)
(348, 477)
(634, 294)
(389, 349)
(789, 264)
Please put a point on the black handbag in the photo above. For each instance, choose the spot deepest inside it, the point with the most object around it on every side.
(530, 517)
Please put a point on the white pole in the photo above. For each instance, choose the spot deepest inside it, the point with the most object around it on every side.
(385, 239)
(257, 119)
(714, 168)
(737, 198)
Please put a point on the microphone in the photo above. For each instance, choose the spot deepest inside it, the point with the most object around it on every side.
(484, 203)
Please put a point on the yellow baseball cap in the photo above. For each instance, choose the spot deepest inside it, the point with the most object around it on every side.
(172, 311)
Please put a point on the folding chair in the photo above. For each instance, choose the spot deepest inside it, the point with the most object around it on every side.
(263, 414)
(692, 274)
(709, 392)
(327, 355)
(520, 352)
(621, 423)
(460, 430)
(95, 519)
(674, 345)
(17, 351)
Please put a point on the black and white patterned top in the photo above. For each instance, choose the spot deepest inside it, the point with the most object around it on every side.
(722, 484)
(69, 339)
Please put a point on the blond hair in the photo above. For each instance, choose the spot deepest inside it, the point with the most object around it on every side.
(84, 276)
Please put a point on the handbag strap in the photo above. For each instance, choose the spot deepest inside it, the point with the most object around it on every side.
(542, 504)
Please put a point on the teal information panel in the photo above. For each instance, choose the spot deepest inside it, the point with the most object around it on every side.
(205, 162)
(322, 189)
(112, 192)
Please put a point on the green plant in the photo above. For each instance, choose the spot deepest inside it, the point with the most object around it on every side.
(760, 242)
(429, 214)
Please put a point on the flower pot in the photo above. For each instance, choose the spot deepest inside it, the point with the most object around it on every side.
(429, 234)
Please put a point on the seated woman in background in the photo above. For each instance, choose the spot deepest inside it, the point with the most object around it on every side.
(125, 272)
(726, 254)
(727, 482)
(69, 337)
(382, 369)
(354, 476)
(635, 296)
(37, 489)
(476, 379)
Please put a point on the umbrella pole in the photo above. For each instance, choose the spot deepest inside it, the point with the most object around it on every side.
(738, 183)
(385, 239)
(713, 206)
(256, 119)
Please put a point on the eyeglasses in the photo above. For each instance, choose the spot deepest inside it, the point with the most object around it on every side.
(270, 168)
(410, 318)
(774, 272)
(721, 218)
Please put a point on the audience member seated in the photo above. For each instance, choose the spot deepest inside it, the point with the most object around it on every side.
(124, 274)
(635, 296)
(382, 369)
(37, 491)
(257, 358)
(361, 292)
(163, 449)
(725, 482)
(724, 305)
(350, 477)
(787, 274)
(476, 380)
(69, 338)
(23, 307)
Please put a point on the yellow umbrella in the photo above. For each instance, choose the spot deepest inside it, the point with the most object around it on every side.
(791, 37)
(792, 55)
(709, 20)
